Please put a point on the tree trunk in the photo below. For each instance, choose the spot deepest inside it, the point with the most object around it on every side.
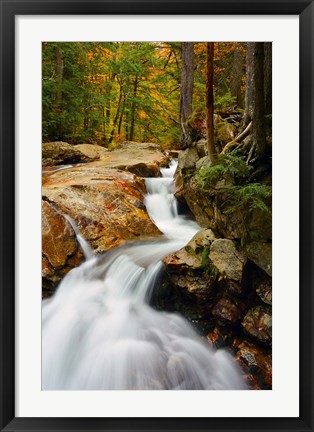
(108, 87)
(268, 85)
(258, 126)
(249, 92)
(186, 92)
(133, 108)
(121, 116)
(126, 124)
(116, 117)
(236, 76)
(210, 101)
(60, 65)
(268, 77)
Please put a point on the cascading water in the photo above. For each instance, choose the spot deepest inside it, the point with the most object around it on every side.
(99, 332)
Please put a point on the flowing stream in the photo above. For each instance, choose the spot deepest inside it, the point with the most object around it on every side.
(99, 332)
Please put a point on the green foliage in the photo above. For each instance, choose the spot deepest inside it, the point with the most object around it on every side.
(250, 197)
(210, 269)
(224, 100)
(238, 194)
(228, 167)
(204, 257)
(106, 92)
(112, 91)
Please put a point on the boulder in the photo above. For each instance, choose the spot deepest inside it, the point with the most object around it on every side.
(227, 259)
(107, 206)
(187, 160)
(213, 208)
(186, 165)
(224, 131)
(62, 153)
(204, 162)
(173, 153)
(182, 259)
(202, 239)
(142, 159)
(261, 254)
(264, 291)
(220, 337)
(257, 323)
(201, 147)
(60, 251)
(257, 362)
(58, 237)
(227, 312)
(92, 151)
(187, 284)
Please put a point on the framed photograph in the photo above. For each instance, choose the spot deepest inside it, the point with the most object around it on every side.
(156, 215)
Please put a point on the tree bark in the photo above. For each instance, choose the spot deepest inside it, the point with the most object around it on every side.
(268, 77)
(210, 101)
(249, 91)
(116, 117)
(60, 65)
(186, 93)
(258, 125)
(236, 76)
(59, 98)
(268, 86)
(133, 108)
(121, 116)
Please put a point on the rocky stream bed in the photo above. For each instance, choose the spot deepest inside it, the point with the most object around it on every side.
(223, 287)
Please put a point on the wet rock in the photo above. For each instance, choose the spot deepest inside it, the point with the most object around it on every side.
(106, 204)
(227, 259)
(188, 261)
(184, 268)
(59, 247)
(264, 291)
(190, 256)
(62, 153)
(187, 286)
(227, 312)
(182, 260)
(231, 287)
(173, 153)
(261, 254)
(58, 237)
(220, 337)
(257, 362)
(257, 323)
(202, 239)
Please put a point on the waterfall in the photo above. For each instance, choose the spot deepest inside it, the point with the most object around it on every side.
(99, 332)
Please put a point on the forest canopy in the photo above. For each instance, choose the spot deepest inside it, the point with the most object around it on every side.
(107, 92)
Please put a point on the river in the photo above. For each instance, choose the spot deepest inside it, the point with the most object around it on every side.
(100, 333)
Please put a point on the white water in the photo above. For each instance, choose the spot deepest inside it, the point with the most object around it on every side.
(99, 333)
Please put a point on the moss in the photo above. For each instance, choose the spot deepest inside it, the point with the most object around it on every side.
(191, 251)
(205, 257)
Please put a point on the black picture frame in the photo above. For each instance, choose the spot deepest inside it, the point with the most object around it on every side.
(8, 10)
